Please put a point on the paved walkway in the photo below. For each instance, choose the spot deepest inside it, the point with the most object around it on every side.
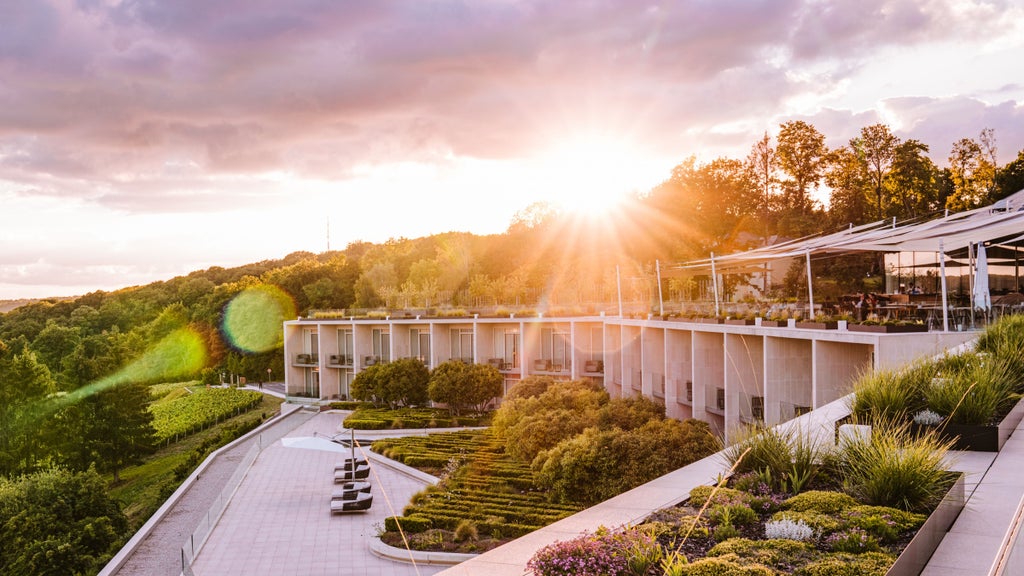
(279, 520)
(158, 549)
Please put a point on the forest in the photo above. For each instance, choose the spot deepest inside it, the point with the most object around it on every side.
(76, 373)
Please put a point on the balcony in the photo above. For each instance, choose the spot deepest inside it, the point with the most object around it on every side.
(500, 364)
(370, 361)
(550, 366)
(307, 360)
(593, 367)
(340, 360)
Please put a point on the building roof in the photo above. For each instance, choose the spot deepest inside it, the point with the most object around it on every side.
(1001, 223)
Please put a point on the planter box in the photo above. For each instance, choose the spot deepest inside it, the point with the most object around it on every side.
(818, 325)
(739, 322)
(774, 323)
(981, 438)
(887, 328)
(708, 320)
(915, 556)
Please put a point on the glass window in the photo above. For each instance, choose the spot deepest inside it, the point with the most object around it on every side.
(381, 344)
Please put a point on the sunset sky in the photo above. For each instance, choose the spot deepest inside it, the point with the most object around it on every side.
(144, 139)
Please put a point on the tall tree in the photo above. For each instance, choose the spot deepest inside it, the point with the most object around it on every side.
(801, 153)
(763, 164)
(24, 382)
(913, 181)
(877, 146)
(1010, 178)
(973, 174)
(112, 429)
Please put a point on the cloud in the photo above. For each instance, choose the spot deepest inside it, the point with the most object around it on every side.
(143, 104)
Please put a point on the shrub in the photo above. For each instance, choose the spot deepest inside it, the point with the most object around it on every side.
(927, 418)
(720, 496)
(882, 522)
(788, 529)
(774, 553)
(854, 540)
(466, 530)
(410, 524)
(974, 394)
(727, 565)
(820, 523)
(599, 464)
(845, 564)
(894, 468)
(785, 459)
(587, 555)
(892, 395)
(529, 387)
(735, 514)
(819, 501)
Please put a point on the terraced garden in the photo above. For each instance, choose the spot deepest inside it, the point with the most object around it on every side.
(485, 498)
(368, 418)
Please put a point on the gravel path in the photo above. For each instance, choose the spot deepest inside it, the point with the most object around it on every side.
(160, 553)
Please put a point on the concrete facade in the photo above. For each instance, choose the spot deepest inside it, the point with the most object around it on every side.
(723, 374)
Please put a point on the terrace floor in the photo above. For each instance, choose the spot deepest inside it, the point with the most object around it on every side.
(279, 520)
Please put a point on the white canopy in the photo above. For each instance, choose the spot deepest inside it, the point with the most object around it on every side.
(1002, 220)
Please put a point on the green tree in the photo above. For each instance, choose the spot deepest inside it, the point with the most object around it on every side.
(24, 383)
(1010, 178)
(368, 384)
(404, 382)
(529, 387)
(801, 155)
(763, 164)
(464, 386)
(56, 522)
(913, 182)
(601, 463)
(973, 171)
(847, 178)
(55, 343)
(112, 429)
(876, 146)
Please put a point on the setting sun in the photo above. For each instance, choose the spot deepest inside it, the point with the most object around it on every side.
(593, 175)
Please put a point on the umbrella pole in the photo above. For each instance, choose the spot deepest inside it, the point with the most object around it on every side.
(945, 293)
(810, 288)
(714, 282)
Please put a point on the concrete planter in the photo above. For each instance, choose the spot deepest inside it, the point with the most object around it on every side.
(887, 328)
(920, 549)
(977, 437)
(810, 325)
(739, 321)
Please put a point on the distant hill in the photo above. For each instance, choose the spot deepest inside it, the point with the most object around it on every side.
(8, 305)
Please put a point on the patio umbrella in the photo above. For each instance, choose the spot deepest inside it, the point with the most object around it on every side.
(315, 443)
(982, 299)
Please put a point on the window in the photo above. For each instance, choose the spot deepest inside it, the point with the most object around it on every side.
(462, 344)
(556, 347)
(510, 347)
(381, 344)
(419, 345)
(311, 387)
(345, 347)
(596, 348)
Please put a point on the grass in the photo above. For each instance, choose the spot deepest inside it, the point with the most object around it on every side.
(894, 467)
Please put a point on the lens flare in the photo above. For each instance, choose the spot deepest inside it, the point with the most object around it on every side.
(180, 354)
(253, 319)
